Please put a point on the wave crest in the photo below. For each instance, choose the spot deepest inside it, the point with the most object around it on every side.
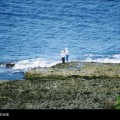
(113, 59)
(33, 63)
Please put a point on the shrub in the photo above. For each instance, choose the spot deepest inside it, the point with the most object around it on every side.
(117, 103)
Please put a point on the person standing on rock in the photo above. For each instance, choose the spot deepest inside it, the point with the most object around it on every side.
(66, 54)
(63, 56)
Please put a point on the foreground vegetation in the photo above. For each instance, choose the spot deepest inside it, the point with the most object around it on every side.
(64, 86)
(117, 103)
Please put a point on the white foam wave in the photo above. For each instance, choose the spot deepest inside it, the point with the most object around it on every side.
(2, 65)
(33, 63)
(92, 55)
(102, 60)
(117, 56)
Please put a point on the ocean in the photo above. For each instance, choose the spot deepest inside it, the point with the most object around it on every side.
(33, 32)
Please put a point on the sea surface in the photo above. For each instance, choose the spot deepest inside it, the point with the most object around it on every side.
(33, 32)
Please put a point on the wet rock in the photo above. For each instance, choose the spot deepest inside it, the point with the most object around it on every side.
(10, 65)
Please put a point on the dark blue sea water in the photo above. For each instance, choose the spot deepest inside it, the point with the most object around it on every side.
(33, 32)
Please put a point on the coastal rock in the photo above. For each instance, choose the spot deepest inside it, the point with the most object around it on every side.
(76, 70)
(10, 65)
(90, 86)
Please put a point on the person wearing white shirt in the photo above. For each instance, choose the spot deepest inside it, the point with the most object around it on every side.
(66, 54)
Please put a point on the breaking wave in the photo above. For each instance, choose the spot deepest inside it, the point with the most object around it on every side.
(33, 63)
(112, 59)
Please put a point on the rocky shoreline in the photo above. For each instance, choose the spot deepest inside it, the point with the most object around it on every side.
(74, 85)
(76, 70)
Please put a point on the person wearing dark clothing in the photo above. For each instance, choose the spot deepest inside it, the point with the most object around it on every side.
(63, 56)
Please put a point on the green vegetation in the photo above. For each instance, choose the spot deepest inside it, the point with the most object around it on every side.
(117, 103)
(64, 86)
